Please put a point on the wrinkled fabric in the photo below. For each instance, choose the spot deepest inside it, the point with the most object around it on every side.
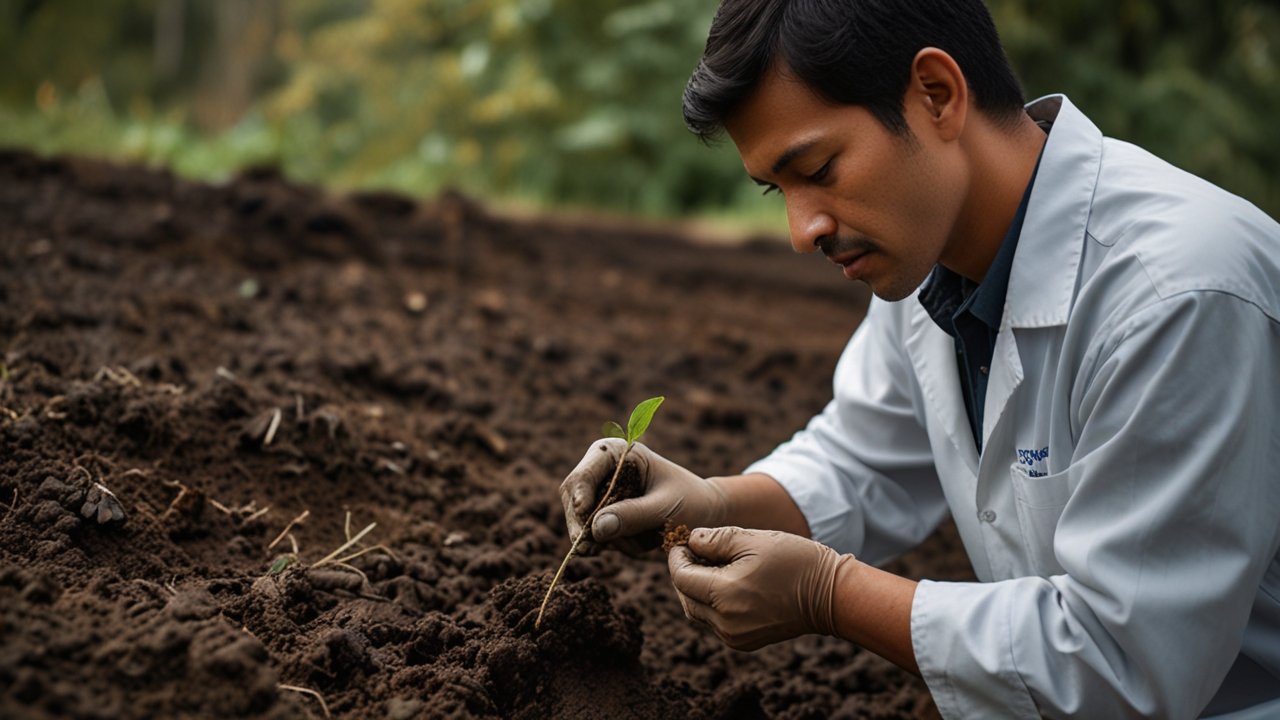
(1124, 515)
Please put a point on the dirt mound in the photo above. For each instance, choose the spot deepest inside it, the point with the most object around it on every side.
(273, 453)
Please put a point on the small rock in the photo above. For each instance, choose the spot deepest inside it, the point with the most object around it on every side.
(52, 489)
(101, 504)
(248, 288)
(415, 302)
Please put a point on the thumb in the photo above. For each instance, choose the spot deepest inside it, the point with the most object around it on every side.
(719, 546)
(628, 517)
(692, 579)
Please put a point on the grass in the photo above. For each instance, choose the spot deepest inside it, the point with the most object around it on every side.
(84, 124)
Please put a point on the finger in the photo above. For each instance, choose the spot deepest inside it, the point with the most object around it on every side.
(701, 614)
(695, 581)
(722, 545)
(630, 517)
(578, 491)
(684, 603)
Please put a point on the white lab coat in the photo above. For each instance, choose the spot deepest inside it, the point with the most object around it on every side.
(1124, 517)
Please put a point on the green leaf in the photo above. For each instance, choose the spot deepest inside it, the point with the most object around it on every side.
(613, 429)
(640, 418)
(281, 563)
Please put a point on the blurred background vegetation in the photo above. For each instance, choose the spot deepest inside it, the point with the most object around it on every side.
(563, 103)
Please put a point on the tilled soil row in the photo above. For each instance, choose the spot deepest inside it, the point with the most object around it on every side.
(267, 452)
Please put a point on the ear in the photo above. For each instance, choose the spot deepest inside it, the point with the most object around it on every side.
(938, 86)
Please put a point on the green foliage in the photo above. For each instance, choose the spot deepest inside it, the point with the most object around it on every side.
(641, 416)
(613, 430)
(281, 563)
(562, 102)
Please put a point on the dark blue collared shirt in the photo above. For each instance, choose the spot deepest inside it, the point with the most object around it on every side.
(971, 313)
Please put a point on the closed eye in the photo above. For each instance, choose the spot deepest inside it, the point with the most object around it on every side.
(768, 187)
(822, 172)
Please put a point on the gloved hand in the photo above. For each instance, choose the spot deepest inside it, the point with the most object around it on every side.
(757, 587)
(668, 492)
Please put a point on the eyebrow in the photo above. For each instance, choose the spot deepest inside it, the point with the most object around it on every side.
(791, 154)
(785, 159)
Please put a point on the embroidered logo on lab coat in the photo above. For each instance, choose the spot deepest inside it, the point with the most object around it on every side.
(1036, 461)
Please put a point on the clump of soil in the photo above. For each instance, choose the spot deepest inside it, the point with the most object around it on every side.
(674, 536)
(185, 369)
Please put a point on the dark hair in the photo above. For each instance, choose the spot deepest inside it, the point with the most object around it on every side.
(851, 52)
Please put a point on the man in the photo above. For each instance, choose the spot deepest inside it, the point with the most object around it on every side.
(1074, 349)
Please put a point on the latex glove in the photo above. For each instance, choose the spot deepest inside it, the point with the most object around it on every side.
(757, 587)
(668, 492)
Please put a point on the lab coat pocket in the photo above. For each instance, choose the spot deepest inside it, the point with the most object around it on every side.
(1039, 501)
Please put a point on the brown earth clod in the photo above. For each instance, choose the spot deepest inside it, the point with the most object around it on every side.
(674, 536)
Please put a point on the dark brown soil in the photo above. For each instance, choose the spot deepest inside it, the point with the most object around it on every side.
(673, 536)
(186, 368)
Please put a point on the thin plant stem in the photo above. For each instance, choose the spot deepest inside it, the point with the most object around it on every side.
(585, 526)
(333, 555)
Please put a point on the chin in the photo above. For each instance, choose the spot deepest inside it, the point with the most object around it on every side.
(891, 292)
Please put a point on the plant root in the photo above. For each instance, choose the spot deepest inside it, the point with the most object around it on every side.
(585, 527)
(308, 691)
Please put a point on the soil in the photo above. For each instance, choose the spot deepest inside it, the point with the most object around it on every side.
(188, 368)
(674, 536)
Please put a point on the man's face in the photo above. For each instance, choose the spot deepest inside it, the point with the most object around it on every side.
(880, 205)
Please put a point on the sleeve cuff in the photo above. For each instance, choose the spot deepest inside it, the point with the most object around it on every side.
(962, 637)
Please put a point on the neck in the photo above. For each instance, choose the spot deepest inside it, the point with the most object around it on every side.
(1002, 161)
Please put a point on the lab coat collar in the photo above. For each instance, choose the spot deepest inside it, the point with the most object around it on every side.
(1043, 281)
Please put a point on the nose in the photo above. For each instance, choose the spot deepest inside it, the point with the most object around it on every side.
(808, 225)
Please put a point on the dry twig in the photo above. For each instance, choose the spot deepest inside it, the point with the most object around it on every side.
(308, 691)
(332, 557)
(119, 375)
(49, 411)
(271, 429)
(289, 527)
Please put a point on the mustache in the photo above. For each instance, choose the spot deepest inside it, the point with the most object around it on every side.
(837, 245)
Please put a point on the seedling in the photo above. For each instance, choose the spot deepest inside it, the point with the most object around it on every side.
(641, 416)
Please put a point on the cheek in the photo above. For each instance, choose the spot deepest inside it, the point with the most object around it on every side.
(928, 201)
